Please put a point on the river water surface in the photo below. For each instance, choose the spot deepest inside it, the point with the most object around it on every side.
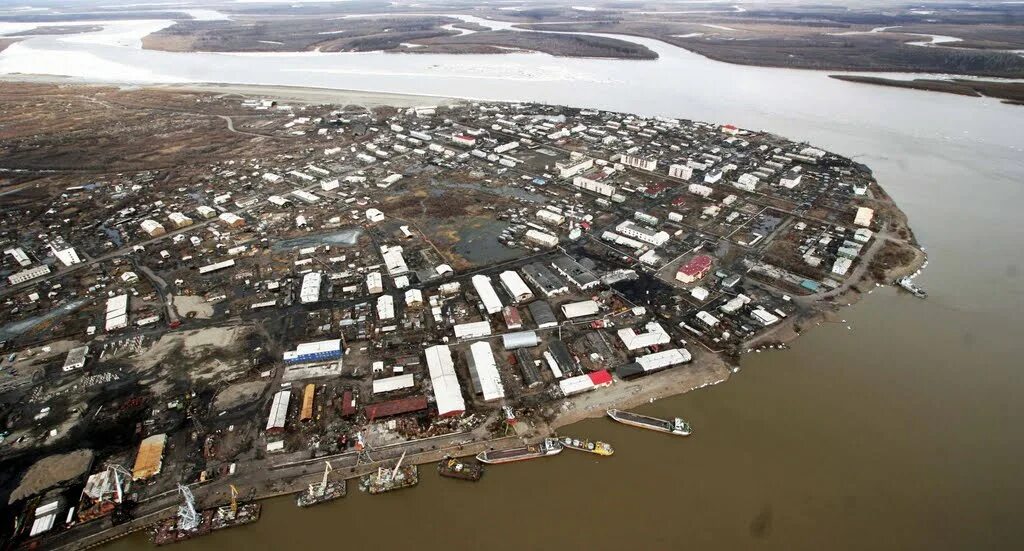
(898, 428)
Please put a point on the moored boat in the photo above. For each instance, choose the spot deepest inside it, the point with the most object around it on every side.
(452, 467)
(908, 284)
(385, 480)
(675, 426)
(326, 490)
(549, 446)
(590, 446)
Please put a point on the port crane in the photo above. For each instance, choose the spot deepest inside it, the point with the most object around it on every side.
(234, 500)
(188, 517)
(117, 471)
(314, 489)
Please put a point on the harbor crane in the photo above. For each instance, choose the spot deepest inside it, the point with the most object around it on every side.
(314, 489)
(117, 471)
(188, 518)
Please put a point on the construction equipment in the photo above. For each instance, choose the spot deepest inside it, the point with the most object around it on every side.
(188, 518)
(234, 500)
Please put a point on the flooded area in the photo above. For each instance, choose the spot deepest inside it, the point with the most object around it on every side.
(897, 427)
(344, 238)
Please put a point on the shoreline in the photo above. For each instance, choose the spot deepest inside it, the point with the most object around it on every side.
(290, 478)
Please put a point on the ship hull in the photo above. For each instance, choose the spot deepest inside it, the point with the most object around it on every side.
(515, 454)
(645, 422)
(335, 490)
(600, 448)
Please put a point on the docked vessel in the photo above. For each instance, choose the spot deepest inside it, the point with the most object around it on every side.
(395, 479)
(549, 446)
(326, 490)
(456, 468)
(595, 447)
(189, 522)
(675, 426)
(908, 284)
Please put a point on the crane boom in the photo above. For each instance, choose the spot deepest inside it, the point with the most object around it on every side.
(397, 465)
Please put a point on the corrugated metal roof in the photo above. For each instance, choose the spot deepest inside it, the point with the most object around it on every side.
(389, 384)
(149, 460)
(522, 339)
(279, 410)
(308, 397)
(481, 360)
(447, 392)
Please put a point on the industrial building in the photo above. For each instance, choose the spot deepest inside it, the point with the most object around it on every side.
(585, 383)
(575, 273)
(394, 261)
(653, 334)
(581, 309)
(515, 286)
(150, 458)
(650, 363)
(484, 370)
(472, 330)
(278, 412)
(310, 290)
(309, 352)
(444, 381)
(391, 384)
(542, 314)
(484, 290)
(544, 279)
(541, 238)
(117, 313)
(521, 339)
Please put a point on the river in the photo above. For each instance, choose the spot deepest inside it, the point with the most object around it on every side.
(894, 429)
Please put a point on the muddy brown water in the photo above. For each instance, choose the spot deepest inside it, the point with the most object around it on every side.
(853, 439)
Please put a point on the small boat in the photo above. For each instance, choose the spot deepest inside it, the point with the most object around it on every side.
(456, 468)
(594, 447)
(550, 446)
(676, 426)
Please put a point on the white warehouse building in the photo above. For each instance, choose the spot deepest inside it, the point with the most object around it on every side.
(485, 291)
(514, 285)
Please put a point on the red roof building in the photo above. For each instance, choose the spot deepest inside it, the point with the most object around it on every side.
(601, 378)
(695, 269)
(395, 407)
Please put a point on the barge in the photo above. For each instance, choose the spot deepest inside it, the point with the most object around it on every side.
(595, 447)
(675, 426)
(463, 470)
(190, 523)
(389, 480)
(326, 490)
(549, 446)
